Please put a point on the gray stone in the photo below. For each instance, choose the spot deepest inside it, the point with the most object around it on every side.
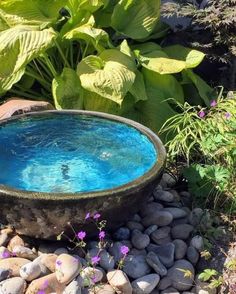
(195, 216)
(136, 266)
(186, 198)
(150, 229)
(136, 218)
(122, 233)
(176, 212)
(73, 288)
(145, 284)
(135, 226)
(197, 242)
(30, 271)
(60, 250)
(177, 275)
(170, 180)
(179, 221)
(139, 240)
(192, 255)
(135, 251)
(155, 263)
(164, 283)
(164, 252)
(114, 250)
(14, 285)
(180, 248)
(165, 196)
(150, 208)
(4, 273)
(163, 241)
(181, 231)
(159, 218)
(176, 204)
(170, 290)
(106, 260)
(24, 252)
(161, 233)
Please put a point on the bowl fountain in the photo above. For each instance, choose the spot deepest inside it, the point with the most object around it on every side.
(56, 166)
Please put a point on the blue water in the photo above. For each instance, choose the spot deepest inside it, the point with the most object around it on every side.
(72, 153)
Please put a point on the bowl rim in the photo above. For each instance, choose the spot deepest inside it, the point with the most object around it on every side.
(129, 188)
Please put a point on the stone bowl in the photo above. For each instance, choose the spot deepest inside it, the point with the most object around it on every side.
(45, 214)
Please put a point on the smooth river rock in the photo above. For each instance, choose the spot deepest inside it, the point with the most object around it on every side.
(14, 285)
(146, 284)
(30, 271)
(163, 195)
(119, 281)
(159, 218)
(13, 264)
(67, 268)
(135, 266)
(139, 240)
(176, 212)
(155, 263)
(181, 231)
(164, 252)
(180, 248)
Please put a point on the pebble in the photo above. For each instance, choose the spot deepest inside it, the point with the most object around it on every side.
(30, 271)
(176, 212)
(106, 260)
(180, 248)
(192, 255)
(91, 276)
(134, 226)
(195, 216)
(48, 284)
(60, 251)
(159, 218)
(14, 285)
(24, 252)
(15, 241)
(179, 280)
(122, 233)
(170, 290)
(135, 251)
(163, 196)
(150, 229)
(197, 242)
(146, 284)
(181, 231)
(102, 289)
(4, 274)
(161, 233)
(164, 283)
(119, 281)
(67, 268)
(136, 218)
(155, 263)
(49, 260)
(164, 252)
(139, 240)
(135, 266)
(170, 180)
(164, 241)
(150, 208)
(13, 265)
(114, 250)
(179, 221)
(73, 288)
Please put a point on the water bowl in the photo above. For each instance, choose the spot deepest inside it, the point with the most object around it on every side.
(57, 166)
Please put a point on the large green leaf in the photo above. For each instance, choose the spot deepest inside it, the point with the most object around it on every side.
(136, 19)
(138, 89)
(18, 46)
(91, 5)
(145, 48)
(30, 12)
(110, 75)
(67, 91)
(191, 57)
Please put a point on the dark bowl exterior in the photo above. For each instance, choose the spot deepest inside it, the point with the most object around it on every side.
(46, 215)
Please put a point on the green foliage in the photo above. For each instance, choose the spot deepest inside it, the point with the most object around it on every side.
(208, 144)
(207, 274)
(96, 55)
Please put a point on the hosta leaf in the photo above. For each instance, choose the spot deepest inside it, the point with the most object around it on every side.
(6, 83)
(67, 91)
(159, 62)
(134, 18)
(34, 12)
(138, 88)
(110, 75)
(18, 46)
(145, 48)
(91, 5)
(191, 57)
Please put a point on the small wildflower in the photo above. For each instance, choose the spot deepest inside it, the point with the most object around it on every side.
(81, 235)
(201, 114)
(45, 284)
(124, 250)
(227, 115)
(97, 216)
(5, 254)
(41, 292)
(95, 260)
(58, 262)
(102, 235)
(213, 103)
(87, 216)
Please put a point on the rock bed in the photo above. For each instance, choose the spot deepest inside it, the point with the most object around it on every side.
(163, 252)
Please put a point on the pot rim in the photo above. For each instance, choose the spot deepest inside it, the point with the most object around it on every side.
(125, 189)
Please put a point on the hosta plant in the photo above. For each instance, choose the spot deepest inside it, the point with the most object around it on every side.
(96, 55)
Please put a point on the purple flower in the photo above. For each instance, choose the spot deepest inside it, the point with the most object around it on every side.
(5, 254)
(213, 103)
(124, 250)
(58, 262)
(227, 115)
(41, 292)
(201, 114)
(81, 235)
(95, 260)
(87, 216)
(45, 284)
(97, 216)
(102, 235)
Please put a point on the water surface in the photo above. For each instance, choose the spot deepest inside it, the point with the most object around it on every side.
(72, 153)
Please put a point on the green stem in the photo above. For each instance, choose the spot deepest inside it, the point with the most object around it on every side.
(71, 55)
(23, 94)
(85, 50)
(50, 65)
(44, 67)
(39, 79)
(62, 55)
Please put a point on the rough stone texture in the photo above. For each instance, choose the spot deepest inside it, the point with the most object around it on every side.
(159, 218)
(175, 273)
(119, 281)
(136, 266)
(14, 285)
(146, 284)
(181, 231)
